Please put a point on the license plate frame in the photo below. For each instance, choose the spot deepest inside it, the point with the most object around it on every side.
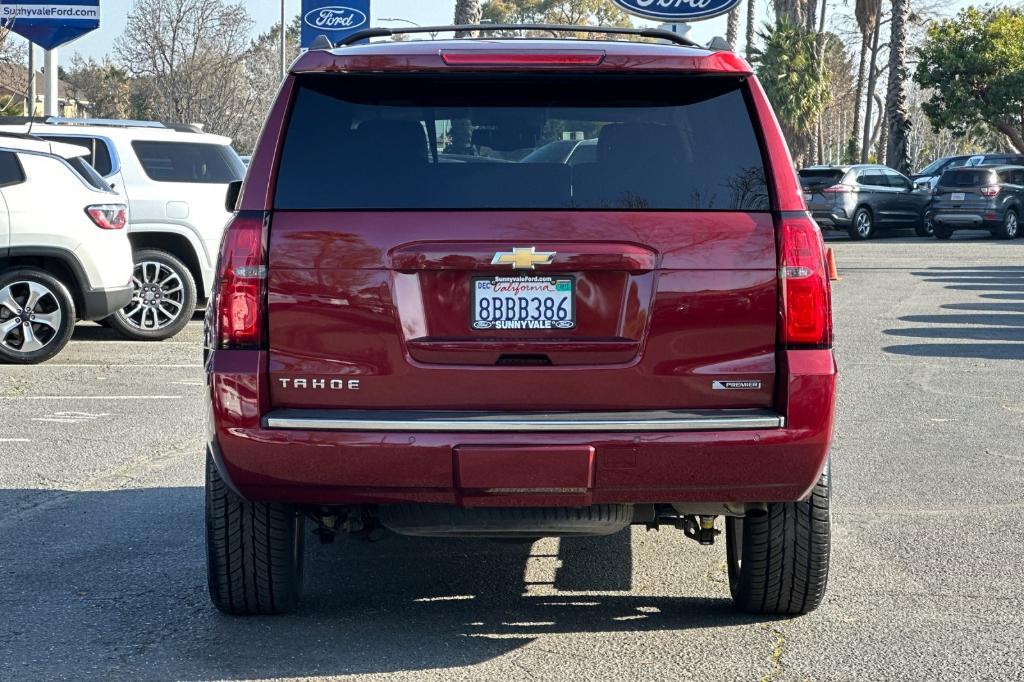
(476, 323)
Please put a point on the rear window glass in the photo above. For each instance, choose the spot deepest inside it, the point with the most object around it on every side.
(966, 178)
(820, 176)
(469, 141)
(99, 153)
(88, 173)
(10, 170)
(188, 162)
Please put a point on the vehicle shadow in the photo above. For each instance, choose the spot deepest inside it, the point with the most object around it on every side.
(111, 585)
(990, 328)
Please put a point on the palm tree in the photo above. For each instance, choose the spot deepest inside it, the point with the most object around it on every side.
(751, 20)
(799, 90)
(866, 12)
(732, 27)
(866, 136)
(897, 152)
(466, 12)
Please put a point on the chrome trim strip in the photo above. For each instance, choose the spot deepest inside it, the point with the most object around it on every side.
(506, 423)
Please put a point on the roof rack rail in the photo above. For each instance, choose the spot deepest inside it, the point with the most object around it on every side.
(382, 32)
(108, 122)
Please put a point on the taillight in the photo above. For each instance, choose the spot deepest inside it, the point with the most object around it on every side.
(990, 191)
(108, 216)
(839, 189)
(523, 58)
(242, 283)
(803, 278)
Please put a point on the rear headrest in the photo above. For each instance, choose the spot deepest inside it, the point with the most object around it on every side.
(633, 144)
(403, 141)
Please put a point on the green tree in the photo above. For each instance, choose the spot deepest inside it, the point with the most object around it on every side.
(577, 12)
(974, 67)
(799, 89)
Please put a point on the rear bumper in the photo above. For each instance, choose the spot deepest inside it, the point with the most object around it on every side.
(308, 462)
(966, 220)
(835, 219)
(99, 303)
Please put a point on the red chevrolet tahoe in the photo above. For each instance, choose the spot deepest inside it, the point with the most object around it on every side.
(515, 289)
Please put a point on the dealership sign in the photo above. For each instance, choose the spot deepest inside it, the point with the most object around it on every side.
(333, 18)
(50, 24)
(676, 11)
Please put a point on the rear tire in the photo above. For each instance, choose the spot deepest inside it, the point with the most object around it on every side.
(51, 321)
(165, 306)
(942, 233)
(1010, 227)
(778, 562)
(925, 228)
(254, 551)
(863, 225)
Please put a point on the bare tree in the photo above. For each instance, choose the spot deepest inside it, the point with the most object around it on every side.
(866, 12)
(189, 54)
(12, 76)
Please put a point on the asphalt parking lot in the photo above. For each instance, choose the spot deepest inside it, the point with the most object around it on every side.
(101, 546)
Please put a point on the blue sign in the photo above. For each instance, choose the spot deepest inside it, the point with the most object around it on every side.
(333, 18)
(676, 10)
(49, 23)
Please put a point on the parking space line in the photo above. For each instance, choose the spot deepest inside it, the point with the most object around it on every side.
(91, 397)
(98, 364)
(15, 440)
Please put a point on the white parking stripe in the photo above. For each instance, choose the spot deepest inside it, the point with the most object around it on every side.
(91, 397)
(98, 364)
(15, 440)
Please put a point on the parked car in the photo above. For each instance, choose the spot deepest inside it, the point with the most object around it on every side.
(519, 350)
(929, 175)
(173, 178)
(64, 253)
(865, 199)
(985, 197)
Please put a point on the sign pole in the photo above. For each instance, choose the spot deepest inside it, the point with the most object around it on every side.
(50, 87)
(30, 108)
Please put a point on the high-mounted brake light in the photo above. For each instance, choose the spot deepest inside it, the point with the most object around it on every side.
(521, 58)
(839, 189)
(990, 191)
(803, 277)
(108, 216)
(242, 283)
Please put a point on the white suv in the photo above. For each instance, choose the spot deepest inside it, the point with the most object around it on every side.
(64, 252)
(174, 178)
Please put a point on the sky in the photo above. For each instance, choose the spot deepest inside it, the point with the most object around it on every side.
(265, 13)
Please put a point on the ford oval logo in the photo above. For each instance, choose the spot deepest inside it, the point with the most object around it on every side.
(676, 10)
(334, 18)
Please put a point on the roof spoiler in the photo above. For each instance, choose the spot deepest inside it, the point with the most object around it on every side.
(382, 32)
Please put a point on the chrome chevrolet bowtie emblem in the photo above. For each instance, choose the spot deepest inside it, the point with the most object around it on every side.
(523, 259)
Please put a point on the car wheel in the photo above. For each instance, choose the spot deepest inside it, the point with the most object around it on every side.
(863, 226)
(778, 561)
(1010, 226)
(926, 227)
(942, 233)
(164, 298)
(37, 316)
(254, 551)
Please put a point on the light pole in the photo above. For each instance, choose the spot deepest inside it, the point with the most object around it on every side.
(284, 45)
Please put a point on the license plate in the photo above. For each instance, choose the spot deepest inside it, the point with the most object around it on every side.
(957, 196)
(527, 302)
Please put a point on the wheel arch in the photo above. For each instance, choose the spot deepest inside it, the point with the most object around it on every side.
(176, 244)
(58, 262)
